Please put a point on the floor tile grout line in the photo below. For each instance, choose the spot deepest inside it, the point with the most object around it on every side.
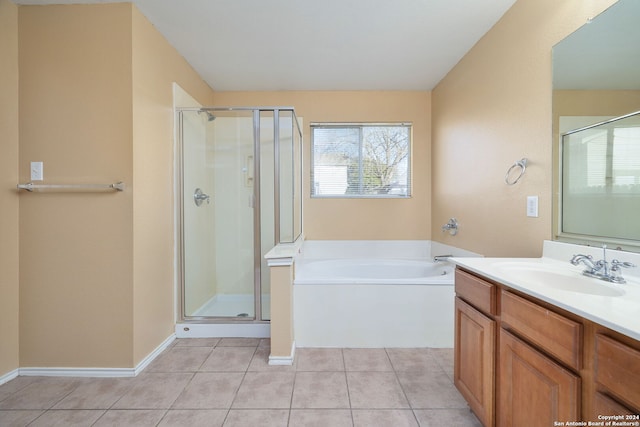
(404, 392)
(235, 394)
(439, 367)
(293, 388)
(346, 380)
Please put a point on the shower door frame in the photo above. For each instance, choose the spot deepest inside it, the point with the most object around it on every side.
(257, 226)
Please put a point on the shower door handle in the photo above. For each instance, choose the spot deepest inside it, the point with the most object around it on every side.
(199, 197)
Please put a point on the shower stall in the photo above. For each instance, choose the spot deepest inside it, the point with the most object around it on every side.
(239, 194)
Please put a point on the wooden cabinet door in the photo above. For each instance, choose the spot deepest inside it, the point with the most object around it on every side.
(533, 390)
(474, 360)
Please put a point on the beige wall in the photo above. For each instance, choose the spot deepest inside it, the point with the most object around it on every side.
(282, 328)
(492, 109)
(156, 65)
(76, 250)
(9, 294)
(594, 103)
(97, 270)
(360, 218)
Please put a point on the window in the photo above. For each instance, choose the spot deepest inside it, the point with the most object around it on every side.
(602, 161)
(600, 187)
(360, 160)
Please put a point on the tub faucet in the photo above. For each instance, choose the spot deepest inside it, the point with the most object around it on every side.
(441, 258)
(451, 226)
(602, 269)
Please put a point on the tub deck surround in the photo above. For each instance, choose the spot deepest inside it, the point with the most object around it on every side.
(281, 260)
(617, 307)
(371, 294)
(396, 249)
(283, 254)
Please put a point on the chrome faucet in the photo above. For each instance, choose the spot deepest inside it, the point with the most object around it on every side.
(602, 269)
(441, 258)
(585, 259)
(451, 227)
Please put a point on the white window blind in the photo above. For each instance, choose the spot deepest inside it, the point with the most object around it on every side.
(598, 161)
(361, 160)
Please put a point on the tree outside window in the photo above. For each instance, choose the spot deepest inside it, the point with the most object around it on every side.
(361, 160)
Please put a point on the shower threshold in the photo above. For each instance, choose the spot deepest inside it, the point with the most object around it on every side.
(232, 305)
(227, 315)
(223, 330)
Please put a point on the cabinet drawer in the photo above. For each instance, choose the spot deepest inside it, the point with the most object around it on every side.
(559, 336)
(476, 291)
(618, 370)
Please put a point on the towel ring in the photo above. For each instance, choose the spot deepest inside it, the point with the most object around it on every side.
(522, 164)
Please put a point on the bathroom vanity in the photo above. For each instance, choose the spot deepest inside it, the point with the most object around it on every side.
(537, 344)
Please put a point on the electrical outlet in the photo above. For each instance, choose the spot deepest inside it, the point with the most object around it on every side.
(532, 206)
(37, 173)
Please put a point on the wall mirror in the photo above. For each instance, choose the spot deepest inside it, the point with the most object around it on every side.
(595, 80)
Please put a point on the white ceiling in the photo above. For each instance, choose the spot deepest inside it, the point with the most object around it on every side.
(321, 44)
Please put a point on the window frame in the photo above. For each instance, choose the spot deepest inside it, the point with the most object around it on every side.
(361, 126)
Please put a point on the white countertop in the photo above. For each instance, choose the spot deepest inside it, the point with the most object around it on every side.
(619, 312)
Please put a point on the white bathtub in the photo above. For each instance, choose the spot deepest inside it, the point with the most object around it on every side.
(373, 302)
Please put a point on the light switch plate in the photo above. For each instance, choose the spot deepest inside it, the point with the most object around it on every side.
(532, 206)
(37, 173)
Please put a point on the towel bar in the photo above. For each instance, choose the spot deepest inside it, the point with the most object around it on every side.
(30, 186)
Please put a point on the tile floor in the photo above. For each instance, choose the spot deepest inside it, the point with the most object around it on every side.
(228, 382)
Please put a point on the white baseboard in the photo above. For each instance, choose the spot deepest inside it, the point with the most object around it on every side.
(284, 360)
(5, 378)
(78, 372)
(155, 353)
(95, 372)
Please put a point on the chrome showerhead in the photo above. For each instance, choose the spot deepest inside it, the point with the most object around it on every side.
(210, 116)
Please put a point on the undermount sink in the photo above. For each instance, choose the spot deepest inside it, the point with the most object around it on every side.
(558, 278)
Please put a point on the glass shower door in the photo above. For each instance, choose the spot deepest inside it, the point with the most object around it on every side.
(218, 257)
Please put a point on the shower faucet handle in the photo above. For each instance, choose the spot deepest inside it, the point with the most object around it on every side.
(199, 197)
